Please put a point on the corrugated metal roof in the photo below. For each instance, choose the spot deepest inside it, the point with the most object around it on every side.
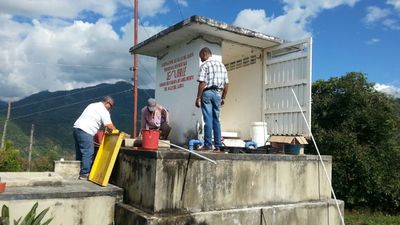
(198, 26)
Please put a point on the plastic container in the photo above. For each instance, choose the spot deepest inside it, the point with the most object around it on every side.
(259, 133)
(292, 149)
(2, 186)
(150, 139)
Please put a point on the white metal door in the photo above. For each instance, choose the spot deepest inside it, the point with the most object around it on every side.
(288, 66)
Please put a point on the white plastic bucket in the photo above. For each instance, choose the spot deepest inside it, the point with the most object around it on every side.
(259, 133)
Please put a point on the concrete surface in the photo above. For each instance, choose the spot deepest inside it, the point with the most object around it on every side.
(27, 179)
(171, 182)
(74, 202)
(309, 213)
(67, 168)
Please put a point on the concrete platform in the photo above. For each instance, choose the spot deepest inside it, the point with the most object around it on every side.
(175, 187)
(72, 202)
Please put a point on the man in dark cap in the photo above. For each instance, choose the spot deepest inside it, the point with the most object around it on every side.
(156, 117)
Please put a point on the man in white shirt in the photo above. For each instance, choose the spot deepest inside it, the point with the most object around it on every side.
(89, 122)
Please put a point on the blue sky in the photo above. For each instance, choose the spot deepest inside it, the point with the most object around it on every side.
(65, 44)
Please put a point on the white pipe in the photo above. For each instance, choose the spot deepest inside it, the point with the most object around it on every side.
(195, 153)
(320, 158)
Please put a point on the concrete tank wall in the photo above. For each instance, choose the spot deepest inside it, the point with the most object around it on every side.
(172, 182)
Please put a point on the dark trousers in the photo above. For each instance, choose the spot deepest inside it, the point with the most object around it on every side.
(165, 129)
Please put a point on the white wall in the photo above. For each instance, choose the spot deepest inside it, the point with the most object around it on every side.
(243, 103)
(176, 87)
(67, 211)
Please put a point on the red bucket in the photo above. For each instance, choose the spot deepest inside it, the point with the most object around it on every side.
(150, 139)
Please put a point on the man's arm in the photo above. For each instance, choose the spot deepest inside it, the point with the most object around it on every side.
(143, 120)
(110, 126)
(166, 115)
(224, 92)
(200, 90)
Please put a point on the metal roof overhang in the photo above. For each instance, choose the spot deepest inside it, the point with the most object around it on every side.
(198, 26)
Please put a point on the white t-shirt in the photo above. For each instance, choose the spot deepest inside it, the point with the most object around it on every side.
(93, 117)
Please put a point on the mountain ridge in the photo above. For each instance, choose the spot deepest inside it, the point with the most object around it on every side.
(53, 114)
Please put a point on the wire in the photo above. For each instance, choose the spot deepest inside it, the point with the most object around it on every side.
(75, 65)
(179, 8)
(64, 106)
(56, 97)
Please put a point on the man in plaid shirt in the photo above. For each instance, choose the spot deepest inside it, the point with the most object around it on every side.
(212, 90)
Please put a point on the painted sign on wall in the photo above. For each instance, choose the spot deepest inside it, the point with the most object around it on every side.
(175, 73)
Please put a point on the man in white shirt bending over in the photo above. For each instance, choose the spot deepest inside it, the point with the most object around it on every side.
(86, 126)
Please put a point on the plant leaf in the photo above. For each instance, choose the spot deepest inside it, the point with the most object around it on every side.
(5, 215)
(39, 218)
(17, 222)
(47, 221)
(30, 216)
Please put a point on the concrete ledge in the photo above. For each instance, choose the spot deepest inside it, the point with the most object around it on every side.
(177, 154)
(70, 189)
(29, 179)
(311, 213)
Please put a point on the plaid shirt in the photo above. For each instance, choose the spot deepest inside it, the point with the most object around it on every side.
(214, 74)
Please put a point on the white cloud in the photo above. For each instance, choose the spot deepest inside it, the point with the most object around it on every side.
(52, 47)
(57, 8)
(372, 41)
(44, 56)
(383, 16)
(152, 7)
(293, 24)
(70, 9)
(375, 14)
(394, 3)
(391, 24)
(183, 3)
(388, 89)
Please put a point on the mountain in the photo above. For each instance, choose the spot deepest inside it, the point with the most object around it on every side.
(53, 115)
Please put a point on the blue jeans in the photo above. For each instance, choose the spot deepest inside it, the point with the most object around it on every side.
(84, 149)
(210, 107)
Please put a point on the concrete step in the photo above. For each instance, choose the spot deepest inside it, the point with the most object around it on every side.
(306, 213)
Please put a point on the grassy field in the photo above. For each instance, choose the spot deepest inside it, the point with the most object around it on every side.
(367, 218)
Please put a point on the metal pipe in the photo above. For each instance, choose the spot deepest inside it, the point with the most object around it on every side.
(135, 70)
(187, 150)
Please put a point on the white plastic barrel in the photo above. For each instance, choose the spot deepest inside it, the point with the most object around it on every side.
(259, 133)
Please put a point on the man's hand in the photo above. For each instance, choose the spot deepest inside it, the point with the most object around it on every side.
(198, 102)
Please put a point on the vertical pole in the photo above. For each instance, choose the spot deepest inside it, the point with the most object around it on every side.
(3, 137)
(135, 71)
(30, 147)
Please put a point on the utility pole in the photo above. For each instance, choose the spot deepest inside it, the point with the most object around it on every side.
(3, 137)
(135, 69)
(30, 147)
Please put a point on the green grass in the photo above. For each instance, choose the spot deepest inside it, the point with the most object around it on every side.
(367, 218)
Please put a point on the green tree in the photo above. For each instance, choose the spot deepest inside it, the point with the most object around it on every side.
(10, 158)
(359, 127)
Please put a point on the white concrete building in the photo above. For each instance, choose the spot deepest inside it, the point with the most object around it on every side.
(262, 70)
